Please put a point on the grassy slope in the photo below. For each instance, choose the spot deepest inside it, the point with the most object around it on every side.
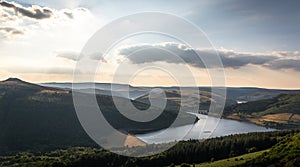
(282, 111)
(234, 161)
(284, 153)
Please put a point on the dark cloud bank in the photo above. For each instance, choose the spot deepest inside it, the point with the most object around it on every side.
(31, 12)
(140, 54)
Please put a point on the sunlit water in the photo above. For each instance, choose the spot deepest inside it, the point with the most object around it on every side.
(204, 128)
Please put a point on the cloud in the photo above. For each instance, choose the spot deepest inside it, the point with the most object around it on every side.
(237, 60)
(164, 52)
(70, 55)
(34, 12)
(69, 14)
(290, 54)
(97, 57)
(75, 56)
(32, 17)
(285, 64)
(6, 16)
(10, 31)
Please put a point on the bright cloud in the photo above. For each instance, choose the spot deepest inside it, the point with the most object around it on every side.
(17, 19)
(31, 35)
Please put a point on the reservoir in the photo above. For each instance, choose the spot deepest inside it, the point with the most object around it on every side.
(206, 127)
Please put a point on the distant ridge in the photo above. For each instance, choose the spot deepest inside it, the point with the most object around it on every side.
(18, 82)
(13, 80)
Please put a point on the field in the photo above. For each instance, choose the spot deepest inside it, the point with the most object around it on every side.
(239, 160)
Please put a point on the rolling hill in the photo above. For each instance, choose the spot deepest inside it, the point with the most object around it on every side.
(41, 118)
(234, 94)
(282, 111)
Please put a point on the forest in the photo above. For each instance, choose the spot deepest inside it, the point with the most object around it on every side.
(184, 153)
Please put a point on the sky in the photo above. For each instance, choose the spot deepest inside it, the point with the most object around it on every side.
(257, 41)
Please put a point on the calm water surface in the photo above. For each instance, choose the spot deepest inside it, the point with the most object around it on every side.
(206, 127)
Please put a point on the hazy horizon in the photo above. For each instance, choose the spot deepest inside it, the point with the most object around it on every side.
(54, 82)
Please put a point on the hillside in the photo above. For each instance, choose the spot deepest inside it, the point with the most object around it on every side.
(36, 117)
(190, 98)
(230, 150)
(282, 111)
(42, 118)
(284, 154)
(255, 94)
(234, 94)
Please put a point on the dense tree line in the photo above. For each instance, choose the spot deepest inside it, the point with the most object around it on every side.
(190, 152)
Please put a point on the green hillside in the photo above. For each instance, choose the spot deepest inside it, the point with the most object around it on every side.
(234, 161)
(285, 153)
(282, 111)
(230, 150)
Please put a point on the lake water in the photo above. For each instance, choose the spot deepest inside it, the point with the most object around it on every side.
(206, 127)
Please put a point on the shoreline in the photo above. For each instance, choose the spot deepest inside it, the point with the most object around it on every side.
(260, 121)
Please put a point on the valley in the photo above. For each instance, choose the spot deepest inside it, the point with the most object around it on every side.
(39, 126)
